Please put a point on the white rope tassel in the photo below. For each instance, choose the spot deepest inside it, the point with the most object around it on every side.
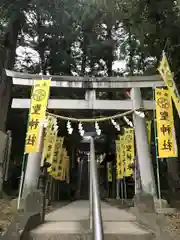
(98, 130)
(69, 128)
(128, 121)
(116, 125)
(81, 130)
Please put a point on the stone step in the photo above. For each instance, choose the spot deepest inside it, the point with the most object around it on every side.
(76, 230)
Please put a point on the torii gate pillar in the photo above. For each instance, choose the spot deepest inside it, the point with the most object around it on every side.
(32, 172)
(142, 146)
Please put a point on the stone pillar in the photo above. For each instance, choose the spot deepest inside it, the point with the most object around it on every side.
(143, 151)
(32, 172)
(90, 96)
(137, 177)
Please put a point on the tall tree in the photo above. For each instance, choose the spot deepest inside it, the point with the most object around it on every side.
(15, 22)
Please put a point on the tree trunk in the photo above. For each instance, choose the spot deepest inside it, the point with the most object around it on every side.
(6, 82)
(110, 58)
(131, 54)
(41, 47)
(84, 55)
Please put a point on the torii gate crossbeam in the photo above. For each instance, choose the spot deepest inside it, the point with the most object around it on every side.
(91, 85)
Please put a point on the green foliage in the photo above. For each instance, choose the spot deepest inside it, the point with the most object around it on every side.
(71, 36)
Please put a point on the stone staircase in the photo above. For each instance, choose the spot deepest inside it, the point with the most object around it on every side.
(72, 222)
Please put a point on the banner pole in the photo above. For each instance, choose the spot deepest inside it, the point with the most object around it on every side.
(157, 160)
(135, 176)
(125, 189)
(117, 189)
(122, 191)
(23, 166)
(20, 190)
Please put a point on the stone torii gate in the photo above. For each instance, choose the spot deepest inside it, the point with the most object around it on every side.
(90, 85)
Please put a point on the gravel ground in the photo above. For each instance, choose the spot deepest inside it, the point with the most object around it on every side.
(6, 214)
(8, 210)
(172, 226)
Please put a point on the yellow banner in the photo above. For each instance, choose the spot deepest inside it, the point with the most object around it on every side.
(51, 146)
(109, 168)
(47, 134)
(56, 150)
(118, 161)
(57, 170)
(64, 164)
(129, 150)
(61, 165)
(65, 168)
(166, 74)
(37, 113)
(148, 125)
(122, 156)
(57, 156)
(165, 124)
